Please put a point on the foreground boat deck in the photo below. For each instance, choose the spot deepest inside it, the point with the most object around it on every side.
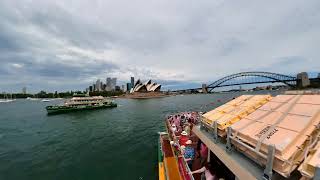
(239, 164)
(169, 160)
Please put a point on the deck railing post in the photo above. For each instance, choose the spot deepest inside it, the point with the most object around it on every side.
(215, 132)
(228, 145)
(201, 124)
(267, 173)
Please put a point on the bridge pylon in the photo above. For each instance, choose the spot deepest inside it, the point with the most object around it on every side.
(204, 88)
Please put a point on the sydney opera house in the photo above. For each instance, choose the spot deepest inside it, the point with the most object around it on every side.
(145, 87)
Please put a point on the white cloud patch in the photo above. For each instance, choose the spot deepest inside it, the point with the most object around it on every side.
(69, 44)
(15, 65)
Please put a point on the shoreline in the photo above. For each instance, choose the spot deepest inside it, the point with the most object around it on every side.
(150, 95)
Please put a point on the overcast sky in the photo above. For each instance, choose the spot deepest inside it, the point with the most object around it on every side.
(64, 45)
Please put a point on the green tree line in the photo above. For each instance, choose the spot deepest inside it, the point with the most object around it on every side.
(68, 94)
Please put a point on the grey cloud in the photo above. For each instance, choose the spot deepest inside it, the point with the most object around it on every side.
(170, 41)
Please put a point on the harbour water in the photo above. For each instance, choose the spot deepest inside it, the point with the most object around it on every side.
(119, 143)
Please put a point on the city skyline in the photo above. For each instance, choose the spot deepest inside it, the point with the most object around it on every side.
(51, 46)
(109, 85)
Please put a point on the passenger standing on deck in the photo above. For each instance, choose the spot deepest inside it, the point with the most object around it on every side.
(173, 128)
(203, 152)
(187, 128)
(176, 120)
(208, 172)
(183, 138)
(189, 153)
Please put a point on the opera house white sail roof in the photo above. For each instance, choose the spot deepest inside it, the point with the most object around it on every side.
(148, 86)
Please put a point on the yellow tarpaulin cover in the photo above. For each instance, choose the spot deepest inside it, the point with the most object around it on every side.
(234, 110)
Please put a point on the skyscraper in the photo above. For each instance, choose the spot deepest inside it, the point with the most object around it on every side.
(98, 85)
(113, 83)
(108, 84)
(132, 82)
(129, 87)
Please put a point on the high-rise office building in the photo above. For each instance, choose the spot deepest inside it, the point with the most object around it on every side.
(113, 83)
(132, 82)
(98, 85)
(129, 87)
(108, 84)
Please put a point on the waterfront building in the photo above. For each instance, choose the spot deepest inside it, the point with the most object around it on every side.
(94, 87)
(123, 88)
(90, 88)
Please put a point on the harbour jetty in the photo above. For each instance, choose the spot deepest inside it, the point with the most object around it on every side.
(147, 95)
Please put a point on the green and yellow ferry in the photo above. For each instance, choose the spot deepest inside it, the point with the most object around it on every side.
(81, 103)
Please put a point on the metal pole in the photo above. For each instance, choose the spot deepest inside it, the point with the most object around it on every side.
(215, 132)
(267, 173)
(228, 145)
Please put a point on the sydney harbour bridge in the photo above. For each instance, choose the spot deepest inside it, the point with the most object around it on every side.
(245, 78)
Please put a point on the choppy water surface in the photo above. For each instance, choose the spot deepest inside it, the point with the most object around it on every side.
(119, 143)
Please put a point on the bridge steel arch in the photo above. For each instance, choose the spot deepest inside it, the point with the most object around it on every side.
(271, 78)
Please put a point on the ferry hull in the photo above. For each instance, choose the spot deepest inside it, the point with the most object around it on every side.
(65, 109)
(168, 165)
